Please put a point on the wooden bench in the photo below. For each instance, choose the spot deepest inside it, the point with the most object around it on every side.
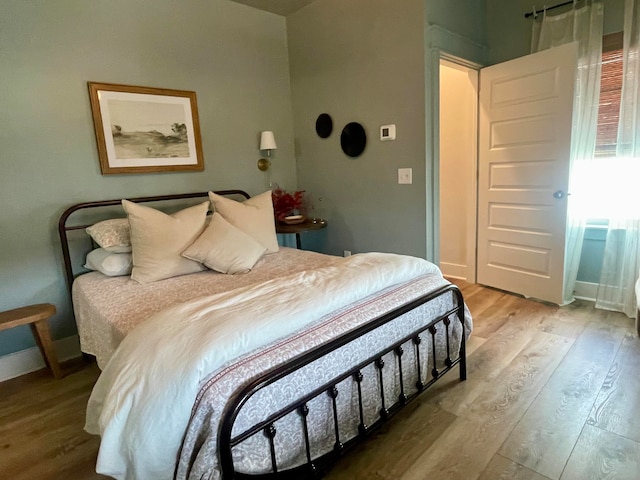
(36, 316)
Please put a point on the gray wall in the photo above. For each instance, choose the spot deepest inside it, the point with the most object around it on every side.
(465, 18)
(367, 61)
(509, 33)
(233, 56)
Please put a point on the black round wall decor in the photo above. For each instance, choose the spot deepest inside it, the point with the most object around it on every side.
(324, 125)
(353, 139)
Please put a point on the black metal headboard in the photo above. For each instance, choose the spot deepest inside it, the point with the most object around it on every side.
(64, 229)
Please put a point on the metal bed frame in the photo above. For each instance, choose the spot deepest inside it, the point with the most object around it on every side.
(316, 467)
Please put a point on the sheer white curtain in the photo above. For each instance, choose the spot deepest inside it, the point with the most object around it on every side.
(582, 25)
(622, 250)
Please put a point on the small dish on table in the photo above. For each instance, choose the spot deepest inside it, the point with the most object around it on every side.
(294, 219)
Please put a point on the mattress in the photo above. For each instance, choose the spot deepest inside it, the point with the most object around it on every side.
(108, 308)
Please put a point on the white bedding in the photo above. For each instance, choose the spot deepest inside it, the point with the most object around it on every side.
(142, 402)
(108, 308)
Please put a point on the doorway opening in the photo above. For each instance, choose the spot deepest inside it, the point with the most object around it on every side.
(458, 160)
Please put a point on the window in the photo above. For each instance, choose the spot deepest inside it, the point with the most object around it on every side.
(607, 181)
(610, 93)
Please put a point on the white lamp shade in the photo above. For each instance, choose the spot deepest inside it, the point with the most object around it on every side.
(267, 141)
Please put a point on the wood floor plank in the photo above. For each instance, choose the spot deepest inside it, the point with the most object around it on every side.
(544, 437)
(410, 433)
(513, 391)
(617, 408)
(479, 300)
(469, 444)
(601, 455)
(501, 468)
(469, 290)
(496, 314)
(483, 365)
(570, 320)
(473, 343)
(618, 319)
(48, 442)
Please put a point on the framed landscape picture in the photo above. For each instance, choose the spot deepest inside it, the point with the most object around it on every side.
(144, 129)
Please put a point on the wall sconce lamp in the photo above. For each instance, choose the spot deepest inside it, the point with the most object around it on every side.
(268, 143)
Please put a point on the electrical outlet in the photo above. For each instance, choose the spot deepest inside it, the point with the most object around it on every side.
(405, 176)
(346, 253)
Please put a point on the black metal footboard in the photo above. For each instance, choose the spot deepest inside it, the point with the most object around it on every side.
(316, 467)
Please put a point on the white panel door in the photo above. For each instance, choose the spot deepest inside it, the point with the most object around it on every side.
(524, 147)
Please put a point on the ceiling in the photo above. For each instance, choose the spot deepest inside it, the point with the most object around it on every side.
(280, 7)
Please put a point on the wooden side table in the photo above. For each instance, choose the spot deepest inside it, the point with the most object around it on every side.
(299, 228)
(36, 316)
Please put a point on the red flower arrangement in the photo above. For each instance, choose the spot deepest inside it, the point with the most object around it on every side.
(285, 204)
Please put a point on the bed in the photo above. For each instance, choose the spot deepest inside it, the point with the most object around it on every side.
(272, 373)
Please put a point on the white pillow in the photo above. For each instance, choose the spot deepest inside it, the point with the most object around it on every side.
(112, 235)
(108, 263)
(253, 216)
(225, 248)
(158, 239)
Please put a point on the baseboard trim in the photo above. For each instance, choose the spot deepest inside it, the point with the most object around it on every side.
(30, 360)
(454, 270)
(586, 291)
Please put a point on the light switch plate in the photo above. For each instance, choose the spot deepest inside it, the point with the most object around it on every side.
(405, 176)
(387, 132)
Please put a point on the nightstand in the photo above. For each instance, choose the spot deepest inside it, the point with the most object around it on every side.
(298, 228)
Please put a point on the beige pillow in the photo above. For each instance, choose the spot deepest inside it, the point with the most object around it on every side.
(253, 216)
(225, 248)
(112, 235)
(158, 239)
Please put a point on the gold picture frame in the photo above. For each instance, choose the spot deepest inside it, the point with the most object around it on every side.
(145, 129)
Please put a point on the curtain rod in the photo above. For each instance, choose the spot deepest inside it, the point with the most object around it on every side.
(534, 13)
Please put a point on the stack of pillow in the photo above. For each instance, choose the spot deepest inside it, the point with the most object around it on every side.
(152, 245)
(113, 258)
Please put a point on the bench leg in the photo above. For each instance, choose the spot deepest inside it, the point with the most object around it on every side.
(41, 333)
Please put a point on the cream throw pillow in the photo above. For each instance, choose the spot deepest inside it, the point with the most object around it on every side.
(112, 235)
(158, 240)
(225, 248)
(253, 216)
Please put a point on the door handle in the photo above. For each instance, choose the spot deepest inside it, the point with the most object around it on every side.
(558, 194)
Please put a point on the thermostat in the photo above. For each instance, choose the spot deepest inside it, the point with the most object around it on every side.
(387, 132)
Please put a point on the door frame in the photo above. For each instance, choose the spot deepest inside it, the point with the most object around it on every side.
(433, 149)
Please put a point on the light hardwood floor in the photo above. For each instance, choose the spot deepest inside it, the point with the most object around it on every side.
(552, 393)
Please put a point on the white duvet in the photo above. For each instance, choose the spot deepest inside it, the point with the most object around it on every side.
(142, 402)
